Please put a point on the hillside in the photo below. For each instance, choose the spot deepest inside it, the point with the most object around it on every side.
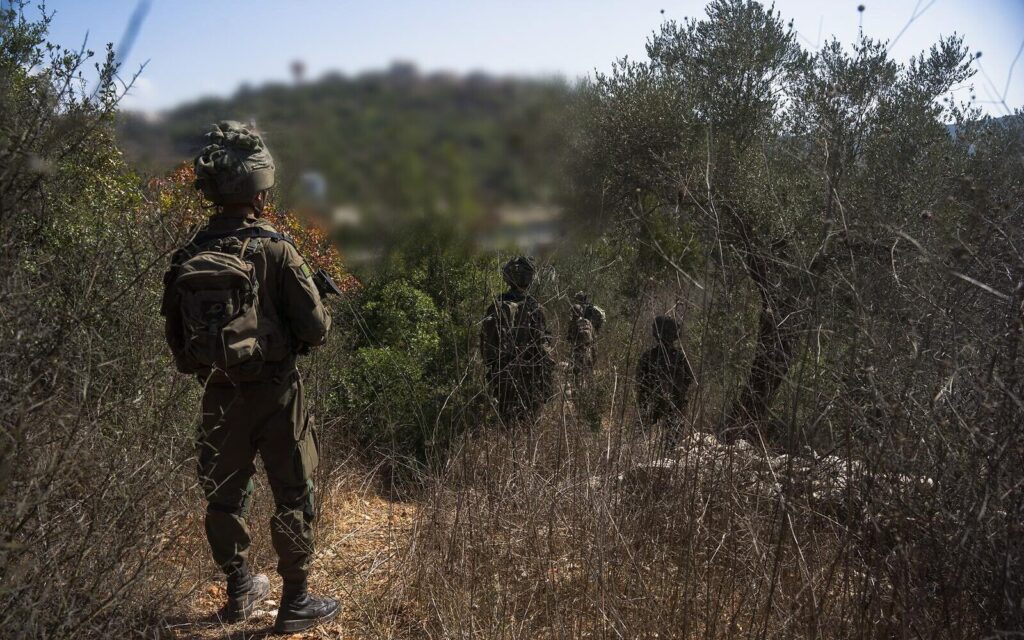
(396, 139)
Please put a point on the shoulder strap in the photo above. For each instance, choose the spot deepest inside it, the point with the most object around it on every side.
(245, 233)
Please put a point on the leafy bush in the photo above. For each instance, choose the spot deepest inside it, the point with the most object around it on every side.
(95, 428)
(385, 383)
(412, 382)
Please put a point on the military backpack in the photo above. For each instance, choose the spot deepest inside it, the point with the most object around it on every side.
(503, 331)
(224, 326)
(595, 315)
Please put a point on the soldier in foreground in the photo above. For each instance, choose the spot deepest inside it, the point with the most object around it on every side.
(663, 378)
(239, 304)
(516, 347)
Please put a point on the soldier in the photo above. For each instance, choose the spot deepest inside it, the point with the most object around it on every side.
(591, 311)
(663, 378)
(581, 338)
(517, 348)
(585, 321)
(239, 304)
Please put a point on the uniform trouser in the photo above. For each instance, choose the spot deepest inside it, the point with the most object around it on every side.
(656, 411)
(239, 421)
(582, 366)
(519, 399)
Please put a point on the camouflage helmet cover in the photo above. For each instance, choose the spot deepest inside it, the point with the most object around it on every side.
(581, 297)
(666, 329)
(519, 272)
(234, 166)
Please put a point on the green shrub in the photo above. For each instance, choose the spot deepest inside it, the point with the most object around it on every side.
(384, 385)
(411, 381)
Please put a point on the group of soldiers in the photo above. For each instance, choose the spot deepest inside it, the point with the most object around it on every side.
(240, 304)
(518, 353)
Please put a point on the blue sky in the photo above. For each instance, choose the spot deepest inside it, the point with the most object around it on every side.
(208, 47)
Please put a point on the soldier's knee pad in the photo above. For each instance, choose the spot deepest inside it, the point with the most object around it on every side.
(233, 500)
(297, 499)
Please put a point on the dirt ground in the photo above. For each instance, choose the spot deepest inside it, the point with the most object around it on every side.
(360, 542)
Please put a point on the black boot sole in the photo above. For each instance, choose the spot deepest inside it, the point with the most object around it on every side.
(294, 626)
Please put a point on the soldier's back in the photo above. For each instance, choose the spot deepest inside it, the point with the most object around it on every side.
(267, 255)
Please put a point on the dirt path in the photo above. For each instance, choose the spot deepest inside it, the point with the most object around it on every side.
(360, 541)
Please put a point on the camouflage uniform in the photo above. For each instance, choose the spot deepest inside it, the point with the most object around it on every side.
(663, 378)
(261, 412)
(517, 348)
(258, 408)
(581, 338)
(585, 321)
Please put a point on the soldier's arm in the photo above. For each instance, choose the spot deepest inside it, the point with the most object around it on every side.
(540, 325)
(168, 305)
(547, 341)
(489, 337)
(170, 308)
(307, 318)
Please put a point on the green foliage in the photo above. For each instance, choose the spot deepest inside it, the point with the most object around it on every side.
(384, 390)
(411, 384)
(386, 385)
(853, 236)
(763, 156)
(825, 238)
(403, 317)
(395, 141)
(89, 398)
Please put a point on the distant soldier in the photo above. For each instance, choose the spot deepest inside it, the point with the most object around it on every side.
(663, 377)
(585, 321)
(239, 304)
(517, 348)
(581, 338)
(591, 311)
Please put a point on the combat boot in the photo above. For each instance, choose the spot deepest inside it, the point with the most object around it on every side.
(245, 591)
(300, 611)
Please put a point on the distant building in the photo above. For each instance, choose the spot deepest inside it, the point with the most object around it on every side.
(346, 215)
(298, 71)
(313, 187)
(531, 228)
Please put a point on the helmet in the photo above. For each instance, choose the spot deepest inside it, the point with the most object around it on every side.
(519, 272)
(581, 297)
(234, 166)
(666, 329)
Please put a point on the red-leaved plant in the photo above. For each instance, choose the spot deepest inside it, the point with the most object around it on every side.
(184, 208)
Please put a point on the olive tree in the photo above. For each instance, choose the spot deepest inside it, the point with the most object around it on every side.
(787, 162)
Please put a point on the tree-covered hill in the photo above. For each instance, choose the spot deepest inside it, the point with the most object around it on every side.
(396, 139)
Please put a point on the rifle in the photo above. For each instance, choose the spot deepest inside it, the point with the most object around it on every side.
(325, 284)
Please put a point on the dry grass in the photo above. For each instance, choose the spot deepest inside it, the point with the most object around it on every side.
(361, 540)
(567, 533)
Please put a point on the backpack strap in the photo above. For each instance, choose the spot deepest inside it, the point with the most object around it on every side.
(245, 233)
